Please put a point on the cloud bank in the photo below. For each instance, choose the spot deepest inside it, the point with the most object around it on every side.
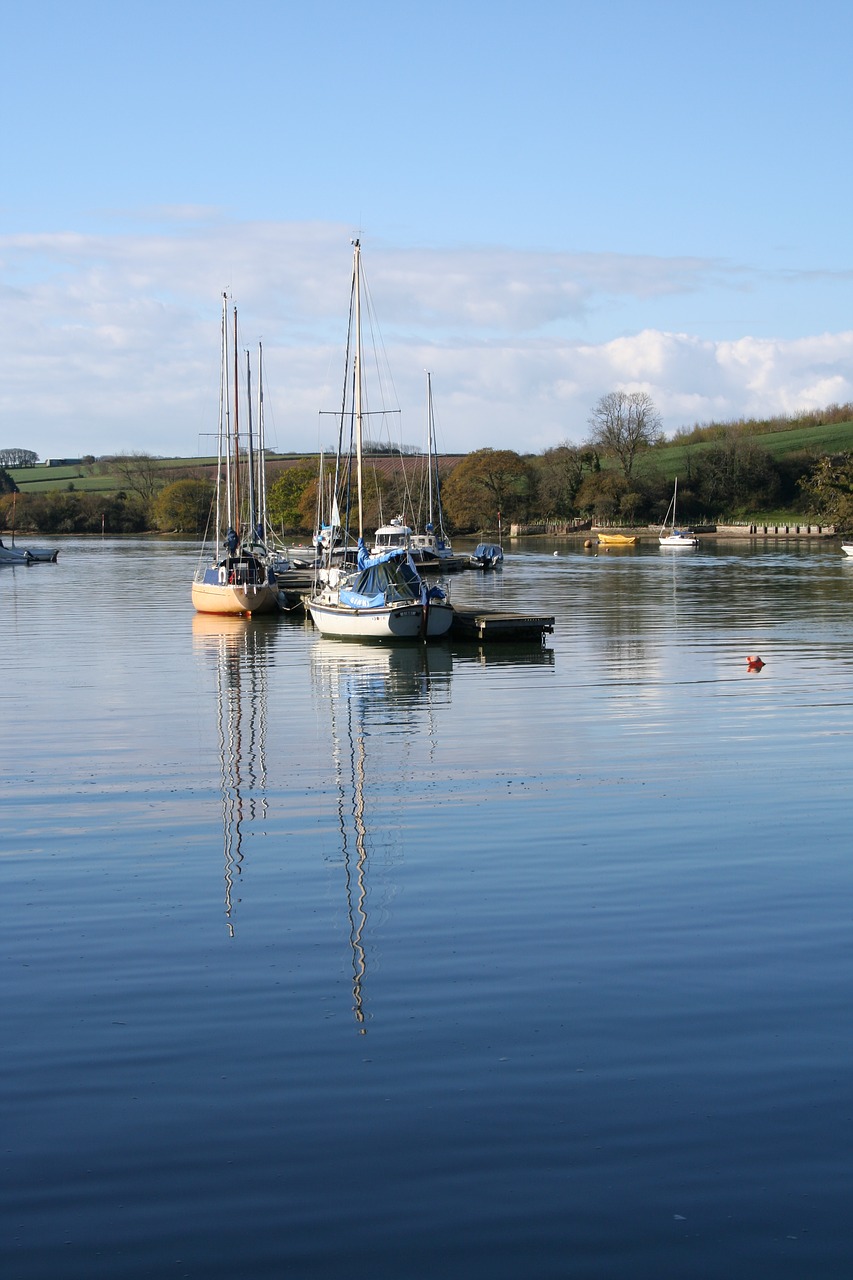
(111, 342)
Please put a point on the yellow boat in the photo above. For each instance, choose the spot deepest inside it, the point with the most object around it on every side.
(616, 539)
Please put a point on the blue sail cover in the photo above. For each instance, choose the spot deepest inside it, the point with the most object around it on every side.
(384, 579)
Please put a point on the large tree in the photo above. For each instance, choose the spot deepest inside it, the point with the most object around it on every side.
(486, 484)
(184, 506)
(624, 423)
(284, 497)
(560, 473)
(140, 475)
(830, 488)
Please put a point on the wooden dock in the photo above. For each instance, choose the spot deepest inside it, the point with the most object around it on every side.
(487, 624)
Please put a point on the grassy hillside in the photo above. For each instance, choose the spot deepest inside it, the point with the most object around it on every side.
(101, 476)
(672, 459)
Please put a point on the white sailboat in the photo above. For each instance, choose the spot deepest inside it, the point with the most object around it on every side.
(431, 550)
(234, 576)
(385, 596)
(675, 537)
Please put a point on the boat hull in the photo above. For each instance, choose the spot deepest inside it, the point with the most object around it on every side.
(386, 622)
(675, 540)
(234, 599)
(30, 555)
(616, 540)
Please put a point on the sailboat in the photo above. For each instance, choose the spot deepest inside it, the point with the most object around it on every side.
(675, 537)
(384, 597)
(263, 538)
(236, 578)
(431, 550)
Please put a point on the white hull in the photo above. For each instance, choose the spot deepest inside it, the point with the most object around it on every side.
(678, 540)
(847, 548)
(395, 621)
(213, 597)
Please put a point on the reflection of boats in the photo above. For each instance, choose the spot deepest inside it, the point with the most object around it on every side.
(372, 692)
(675, 537)
(239, 649)
(533, 654)
(487, 555)
(385, 597)
(237, 578)
(616, 540)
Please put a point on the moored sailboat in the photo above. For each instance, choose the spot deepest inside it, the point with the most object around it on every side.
(675, 537)
(236, 578)
(431, 549)
(384, 597)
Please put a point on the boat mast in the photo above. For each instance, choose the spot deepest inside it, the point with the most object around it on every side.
(262, 468)
(429, 444)
(250, 470)
(224, 428)
(236, 509)
(358, 409)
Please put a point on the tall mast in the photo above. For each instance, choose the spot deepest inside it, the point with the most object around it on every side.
(262, 469)
(236, 511)
(250, 469)
(429, 442)
(358, 410)
(224, 424)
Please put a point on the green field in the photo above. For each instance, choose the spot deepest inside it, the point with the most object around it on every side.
(670, 459)
(97, 477)
(831, 438)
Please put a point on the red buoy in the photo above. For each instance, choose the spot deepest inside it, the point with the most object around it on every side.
(754, 663)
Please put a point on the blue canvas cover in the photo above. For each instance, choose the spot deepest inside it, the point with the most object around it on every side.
(386, 578)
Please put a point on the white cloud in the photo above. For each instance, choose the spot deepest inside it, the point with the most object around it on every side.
(112, 342)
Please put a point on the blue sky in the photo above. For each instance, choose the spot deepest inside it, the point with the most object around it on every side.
(554, 200)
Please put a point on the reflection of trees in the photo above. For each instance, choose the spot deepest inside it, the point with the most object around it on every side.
(239, 648)
(380, 700)
(642, 606)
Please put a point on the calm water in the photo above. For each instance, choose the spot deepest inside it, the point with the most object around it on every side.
(325, 961)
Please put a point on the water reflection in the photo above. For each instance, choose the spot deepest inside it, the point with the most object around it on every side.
(240, 649)
(532, 654)
(381, 702)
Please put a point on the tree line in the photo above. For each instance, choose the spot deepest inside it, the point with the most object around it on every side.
(616, 476)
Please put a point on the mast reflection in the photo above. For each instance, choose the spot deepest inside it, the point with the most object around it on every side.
(373, 693)
(239, 648)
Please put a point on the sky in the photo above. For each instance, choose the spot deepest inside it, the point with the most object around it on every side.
(554, 200)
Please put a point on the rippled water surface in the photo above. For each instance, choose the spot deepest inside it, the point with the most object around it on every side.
(327, 961)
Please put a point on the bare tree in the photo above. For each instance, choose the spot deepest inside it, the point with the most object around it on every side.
(140, 475)
(18, 458)
(623, 424)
